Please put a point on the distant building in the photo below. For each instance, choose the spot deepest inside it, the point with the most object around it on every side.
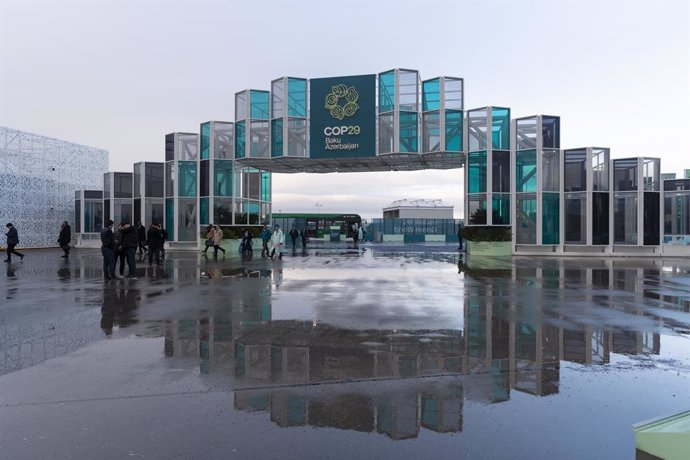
(418, 209)
(38, 179)
(668, 176)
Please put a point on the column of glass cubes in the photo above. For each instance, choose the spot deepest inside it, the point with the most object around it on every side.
(181, 192)
(252, 127)
(677, 211)
(398, 111)
(636, 201)
(488, 171)
(587, 194)
(289, 117)
(442, 115)
(117, 197)
(216, 166)
(148, 193)
(88, 211)
(537, 180)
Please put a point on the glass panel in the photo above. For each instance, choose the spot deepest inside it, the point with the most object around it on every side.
(186, 177)
(452, 88)
(677, 214)
(550, 224)
(576, 218)
(476, 172)
(278, 98)
(187, 148)
(650, 171)
(297, 137)
(240, 106)
(297, 97)
(106, 210)
(477, 130)
(222, 178)
(123, 185)
(408, 132)
(386, 133)
(138, 171)
(277, 138)
(526, 228)
(240, 139)
(387, 92)
(222, 211)
(526, 171)
(625, 218)
(453, 131)
(251, 184)
(409, 90)
(205, 141)
(550, 170)
(500, 209)
(600, 170)
(551, 132)
(477, 209)
(500, 128)
(153, 180)
(154, 211)
(204, 178)
(651, 235)
(265, 186)
(258, 104)
(137, 212)
(431, 95)
(252, 211)
(223, 136)
(575, 170)
(169, 178)
(203, 211)
(600, 218)
(625, 174)
(526, 133)
(77, 216)
(123, 211)
(170, 218)
(187, 226)
(260, 146)
(500, 169)
(169, 147)
(431, 129)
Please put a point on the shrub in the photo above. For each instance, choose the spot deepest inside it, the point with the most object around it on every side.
(486, 233)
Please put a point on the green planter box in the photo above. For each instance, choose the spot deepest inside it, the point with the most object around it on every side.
(489, 248)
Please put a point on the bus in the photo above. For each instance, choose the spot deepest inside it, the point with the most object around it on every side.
(318, 225)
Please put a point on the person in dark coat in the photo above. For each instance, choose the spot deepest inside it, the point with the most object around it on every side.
(65, 237)
(155, 239)
(141, 237)
(129, 246)
(294, 233)
(108, 250)
(303, 235)
(12, 241)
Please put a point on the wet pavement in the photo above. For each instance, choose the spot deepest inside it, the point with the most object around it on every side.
(340, 352)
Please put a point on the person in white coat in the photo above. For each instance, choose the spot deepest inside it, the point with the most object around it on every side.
(277, 241)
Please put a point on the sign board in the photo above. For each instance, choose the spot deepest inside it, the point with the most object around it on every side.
(342, 117)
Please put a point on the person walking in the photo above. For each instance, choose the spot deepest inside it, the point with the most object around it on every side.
(355, 232)
(265, 239)
(164, 234)
(217, 238)
(141, 237)
(293, 235)
(360, 233)
(129, 246)
(64, 238)
(277, 241)
(12, 241)
(155, 239)
(108, 250)
(120, 255)
(209, 238)
(303, 235)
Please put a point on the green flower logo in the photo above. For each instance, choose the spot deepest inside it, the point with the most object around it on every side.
(333, 101)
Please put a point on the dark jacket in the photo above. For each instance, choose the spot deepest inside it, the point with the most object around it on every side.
(155, 238)
(12, 236)
(141, 233)
(107, 239)
(65, 235)
(129, 238)
(294, 233)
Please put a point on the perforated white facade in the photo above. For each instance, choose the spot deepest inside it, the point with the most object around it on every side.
(38, 177)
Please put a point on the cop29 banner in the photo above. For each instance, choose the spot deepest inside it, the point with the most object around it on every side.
(342, 114)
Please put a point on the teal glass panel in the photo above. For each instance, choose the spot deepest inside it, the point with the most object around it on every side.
(476, 172)
(408, 132)
(453, 131)
(203, 211)
(431, 95)
(278, 98)
(550, 223)
(265, 186)
(170, 218)
(526, 170)
(500, 128)
(297, 97)
(500, 205)
(240, 139)
(277, 137)
(205, 140)
(526, 210)
(258, 104)
(222, 178)
(186, 178)
(386, 91)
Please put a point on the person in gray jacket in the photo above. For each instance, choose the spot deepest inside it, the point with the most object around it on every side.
(12, 241)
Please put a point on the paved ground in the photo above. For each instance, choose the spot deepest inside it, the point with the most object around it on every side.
(408, 351)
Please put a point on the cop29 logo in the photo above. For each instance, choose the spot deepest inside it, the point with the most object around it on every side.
(333, 101)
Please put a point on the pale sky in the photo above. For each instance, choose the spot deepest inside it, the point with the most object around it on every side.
(120, 74)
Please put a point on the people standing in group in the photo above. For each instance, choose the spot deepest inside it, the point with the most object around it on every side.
(304, 236)
(217, 238)
(265, 239)
(129, 246)
(155, 240)
(293, 235)
(108, 250)
(64, 238)
(12, 241)
(141, 237)
(277, 242)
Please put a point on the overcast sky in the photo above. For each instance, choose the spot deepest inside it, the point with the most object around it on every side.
(120, 74)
